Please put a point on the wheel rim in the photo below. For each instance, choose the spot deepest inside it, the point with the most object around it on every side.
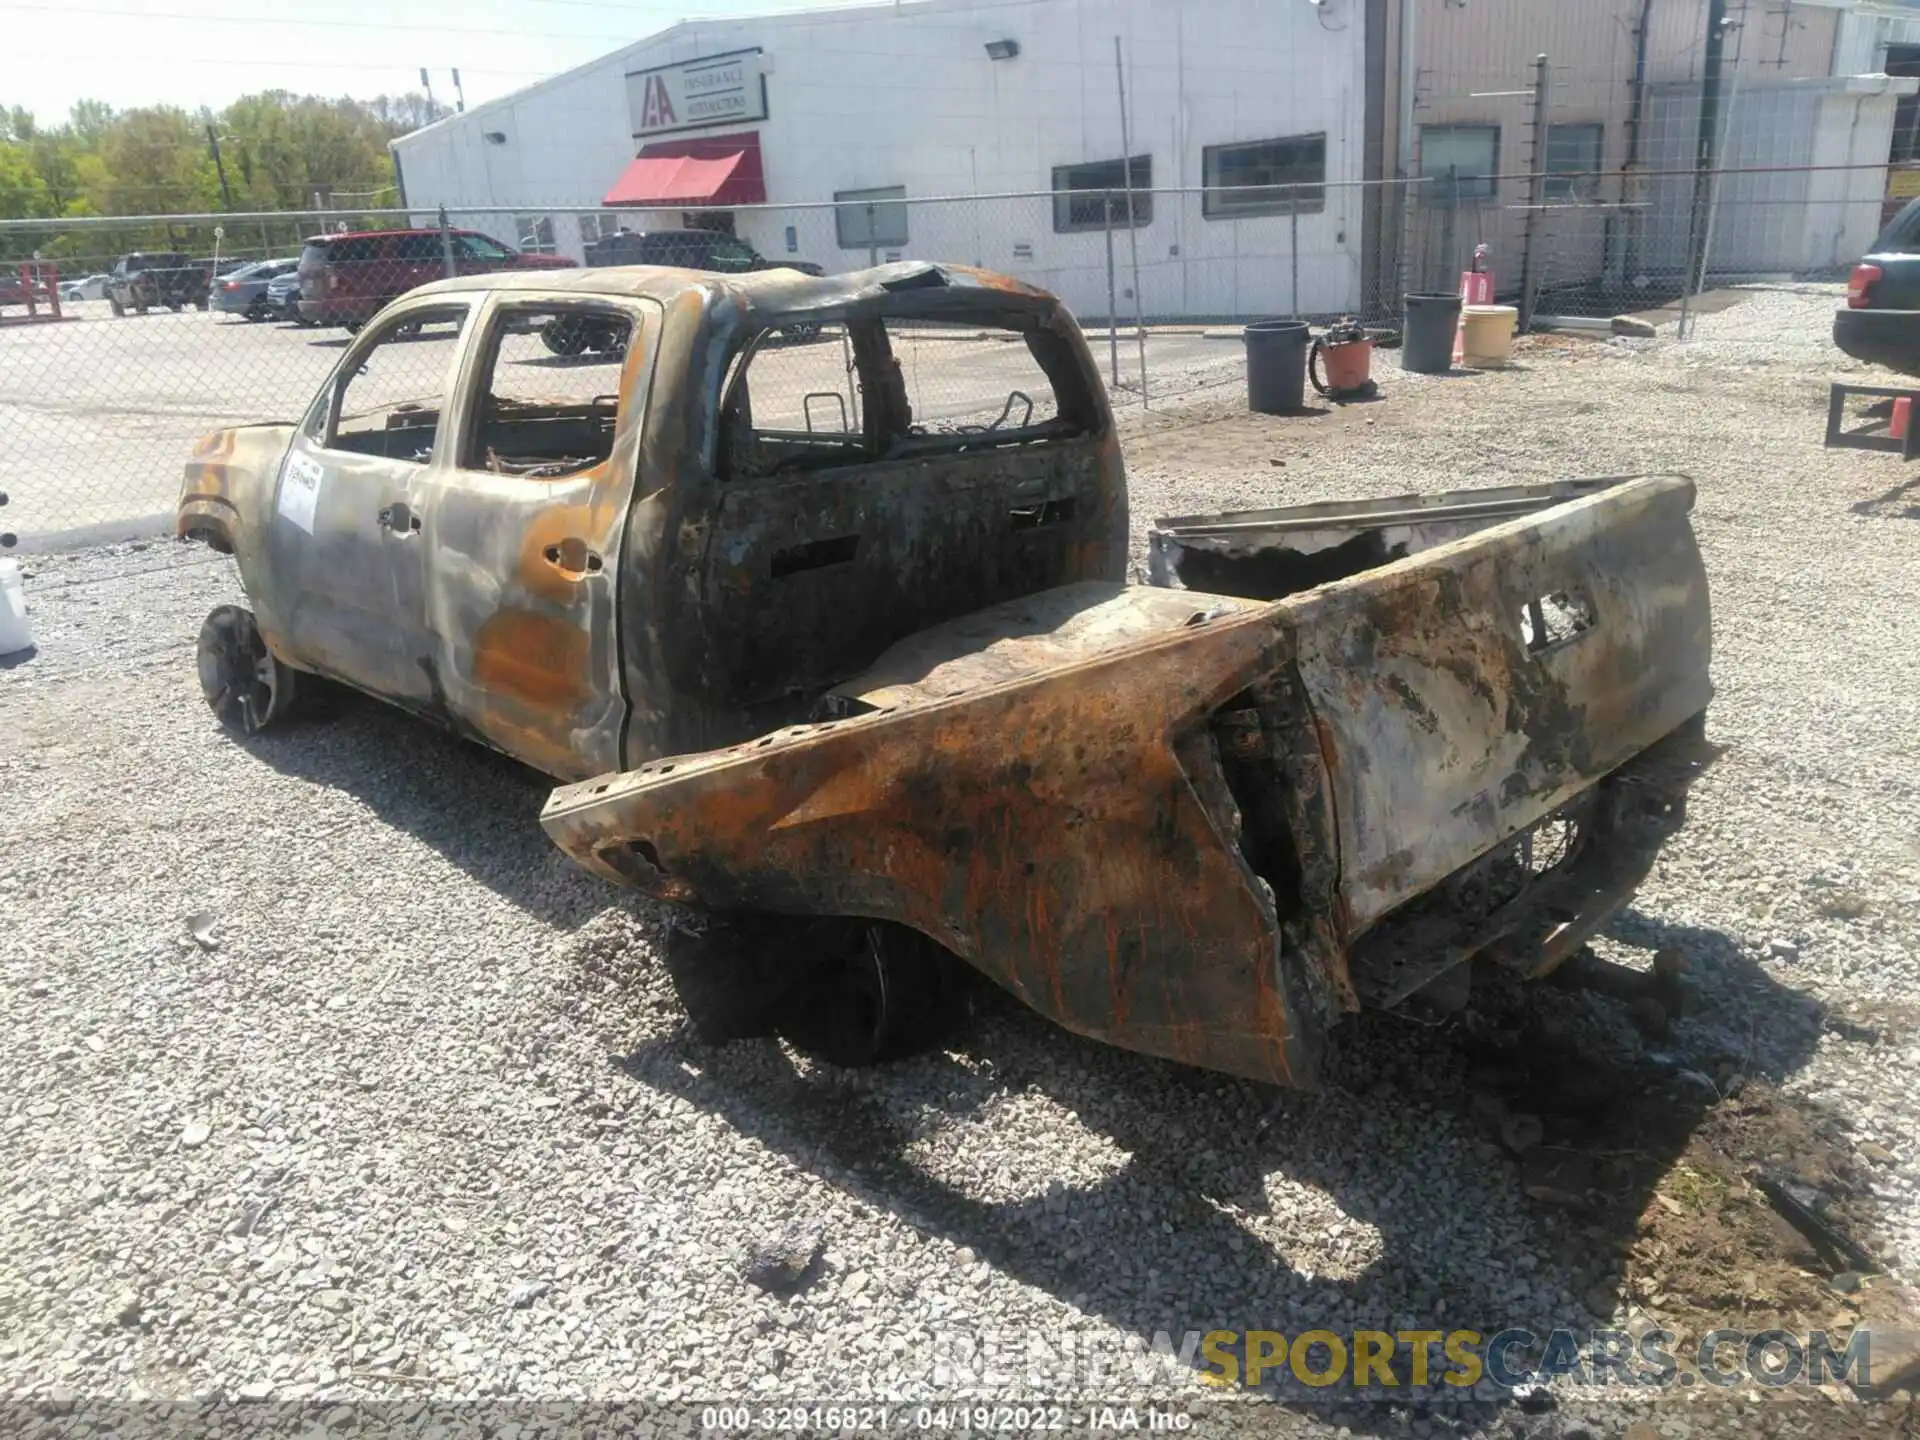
(859, 995)
(240, 679)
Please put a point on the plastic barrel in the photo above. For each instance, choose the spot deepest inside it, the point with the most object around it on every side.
(1487, 335)
(1276, 366)
(1426, 345)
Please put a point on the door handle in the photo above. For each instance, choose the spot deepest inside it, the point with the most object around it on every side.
(400, 519)
(572, 557)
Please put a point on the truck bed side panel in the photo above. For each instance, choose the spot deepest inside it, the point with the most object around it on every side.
(1447, 727)
(1065, 833)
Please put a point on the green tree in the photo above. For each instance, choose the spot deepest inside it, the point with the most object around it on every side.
(279, 149)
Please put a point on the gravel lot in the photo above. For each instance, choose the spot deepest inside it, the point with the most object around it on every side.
(417, 1118)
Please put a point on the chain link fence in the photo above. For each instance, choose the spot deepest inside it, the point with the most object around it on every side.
(124, 340)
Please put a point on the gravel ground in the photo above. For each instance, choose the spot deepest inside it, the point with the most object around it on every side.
(327, 1076)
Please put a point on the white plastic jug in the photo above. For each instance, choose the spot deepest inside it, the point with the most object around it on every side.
(15, 633)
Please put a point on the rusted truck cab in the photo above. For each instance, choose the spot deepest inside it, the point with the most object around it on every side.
(745, 491)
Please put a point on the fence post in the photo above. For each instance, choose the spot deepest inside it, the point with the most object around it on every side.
(1113, 304)
(1293, 246)
(1687, 317)
(446, 245)
(1704, 158)
(1536, 193)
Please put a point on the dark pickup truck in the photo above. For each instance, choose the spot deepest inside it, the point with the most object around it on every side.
(710, 250)
(144, 281)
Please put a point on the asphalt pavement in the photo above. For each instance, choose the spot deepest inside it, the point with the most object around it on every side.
(97, 413)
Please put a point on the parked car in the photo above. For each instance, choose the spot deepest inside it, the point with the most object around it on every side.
(141, 281)
(87, 287)
(1330, 757)
(244, 291)
(1880, 323)
(345, 279)
(711, 250)
(283, 297)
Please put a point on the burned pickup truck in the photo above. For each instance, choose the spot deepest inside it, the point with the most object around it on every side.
(833, 641)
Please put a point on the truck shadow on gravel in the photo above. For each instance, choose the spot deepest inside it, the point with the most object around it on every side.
(1532, 1163)
(476, 807)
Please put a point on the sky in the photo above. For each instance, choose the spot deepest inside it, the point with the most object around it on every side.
(208, 52)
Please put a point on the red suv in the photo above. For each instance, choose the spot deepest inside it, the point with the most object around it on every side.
(344, 279)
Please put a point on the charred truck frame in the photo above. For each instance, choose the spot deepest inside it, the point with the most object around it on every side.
(861, 679)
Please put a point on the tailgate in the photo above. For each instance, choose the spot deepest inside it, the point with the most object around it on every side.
(1463, 693)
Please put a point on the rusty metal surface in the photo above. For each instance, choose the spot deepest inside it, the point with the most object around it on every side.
(1027, 637)
(586, 622)
(1167, 820)
(1279, 552)
(1054, 829)
(1445, 733)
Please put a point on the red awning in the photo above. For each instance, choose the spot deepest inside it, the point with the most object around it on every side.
(705, 171)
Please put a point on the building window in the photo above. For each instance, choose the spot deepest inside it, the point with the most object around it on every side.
(1298, 161)
(1083, 195)
(871, 219)
(536, 234)
(1461, 160)
(1573, 161)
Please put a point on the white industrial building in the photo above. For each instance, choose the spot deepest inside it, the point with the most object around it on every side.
(840, 136)
(957, 98)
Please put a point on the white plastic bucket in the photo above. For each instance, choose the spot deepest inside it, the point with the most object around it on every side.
(15, 633)
(1486, 333)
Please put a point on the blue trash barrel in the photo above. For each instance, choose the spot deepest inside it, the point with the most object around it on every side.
(1426, 344)
(1276, 366)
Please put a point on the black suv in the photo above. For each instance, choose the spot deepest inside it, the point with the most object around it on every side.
(713, 250)
(1881, 323)
(688, 250)
(142, 281)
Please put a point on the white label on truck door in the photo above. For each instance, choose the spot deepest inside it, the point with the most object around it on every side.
(300, 489)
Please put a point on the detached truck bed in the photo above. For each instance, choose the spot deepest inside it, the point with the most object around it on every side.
(1332, 754)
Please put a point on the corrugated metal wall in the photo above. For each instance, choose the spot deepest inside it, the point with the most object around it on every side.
(1475, 67)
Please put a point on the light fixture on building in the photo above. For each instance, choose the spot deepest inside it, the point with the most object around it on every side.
(495, 137)
(1002, 49)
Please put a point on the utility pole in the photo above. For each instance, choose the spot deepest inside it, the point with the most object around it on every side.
(220, 169)
(1133, 228)
(427, 85)
(1536, 193)
(1703, 160)
(459, 94)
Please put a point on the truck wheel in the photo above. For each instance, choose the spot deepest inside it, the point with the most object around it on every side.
(881, 992)
(201, 303)
(246, 687)
(139, 309)
(730, 971)
(564, 337)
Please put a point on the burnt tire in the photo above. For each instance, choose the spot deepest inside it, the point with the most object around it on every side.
(564, 336)
(245, 686)
(876, 992)
(730, 971)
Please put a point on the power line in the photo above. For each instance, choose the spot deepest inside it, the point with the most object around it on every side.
(227, 62)
(204, 19)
